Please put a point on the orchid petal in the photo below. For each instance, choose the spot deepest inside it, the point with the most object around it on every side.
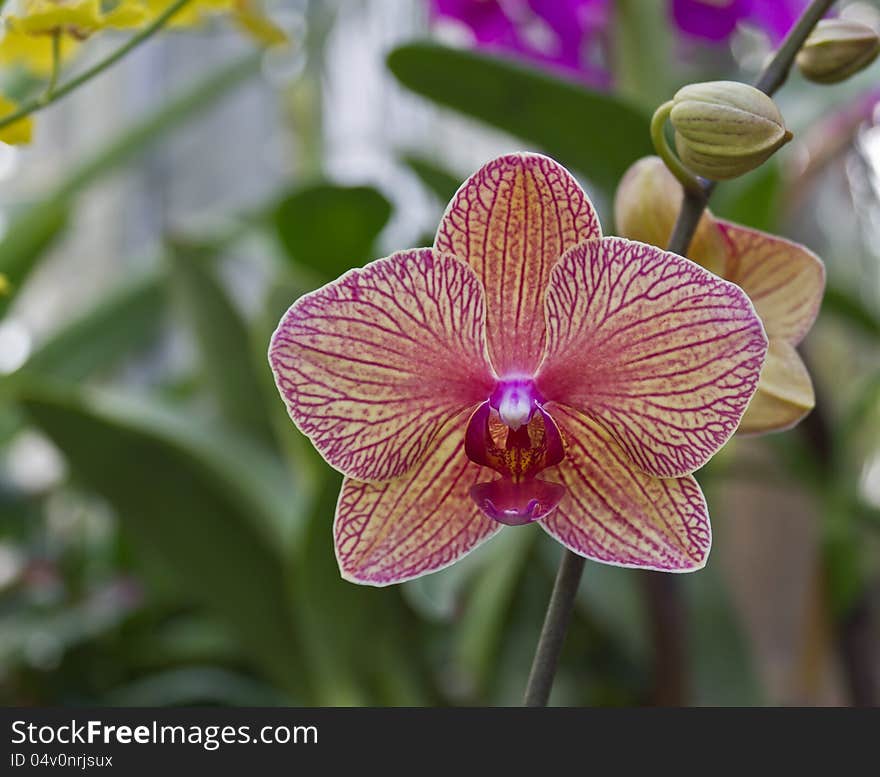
(372, 365)
(664, 354)
(646, 206)
(784, 280)
(785, 392)
(511, 221)
(614, 513)
(424, 521)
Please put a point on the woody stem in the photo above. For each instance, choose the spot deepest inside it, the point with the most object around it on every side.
(769, 80)
(554, 630)
(664, 596)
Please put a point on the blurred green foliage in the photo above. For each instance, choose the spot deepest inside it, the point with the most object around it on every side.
(598, 135)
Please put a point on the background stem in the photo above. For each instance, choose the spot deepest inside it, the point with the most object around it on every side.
(667, 612)
(554, 629)
(667, 624)
(56, 94)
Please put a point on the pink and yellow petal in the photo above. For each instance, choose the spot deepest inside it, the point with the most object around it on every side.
(19, 132)
(511, 221)
(420, 523)
(663, 353)
(372, 365)
(615, 513)
(785, 392)
(784, 280)
(646, 206)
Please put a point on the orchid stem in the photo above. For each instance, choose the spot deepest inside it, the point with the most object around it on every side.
(770, 79)
(685, 177)
(53, 95)
(664, 598)
(553, 631)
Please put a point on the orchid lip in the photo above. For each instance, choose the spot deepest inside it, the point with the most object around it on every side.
(518, 497)
(517, 503)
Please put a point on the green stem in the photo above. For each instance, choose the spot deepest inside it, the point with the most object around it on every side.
(62, 91)
(774, 74)
(662, 596)
(56, 65)
(769, 80)
(686, 178)
(553, 632)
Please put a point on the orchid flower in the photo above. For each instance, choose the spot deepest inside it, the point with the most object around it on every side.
(784, 280)
(524, 369)
(717, 20)
(555, 34)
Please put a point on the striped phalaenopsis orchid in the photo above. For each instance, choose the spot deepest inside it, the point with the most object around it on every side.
(523, 370)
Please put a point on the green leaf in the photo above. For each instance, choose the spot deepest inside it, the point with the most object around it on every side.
(200, 503)
(441, 183)
(193, 686)
(480, 634)
(330, 229)
(354, 635)
(722, 670)
(225, 349)
(598, 134)
(127, 319)
(29, 237)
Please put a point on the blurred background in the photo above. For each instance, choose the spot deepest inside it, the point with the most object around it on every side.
(165, 533)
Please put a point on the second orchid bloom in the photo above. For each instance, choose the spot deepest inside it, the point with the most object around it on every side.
(524, 369)
(784, 280)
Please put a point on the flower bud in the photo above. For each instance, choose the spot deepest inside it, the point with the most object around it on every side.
(724, 129)
(837, 49)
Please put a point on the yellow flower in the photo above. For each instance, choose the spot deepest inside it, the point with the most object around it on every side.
(33, 52)
(45, 17)
(4, 285)
(259, 27)
(126, 14)
(18, 132)
(191, 14)
(244, 13)
(80, 18)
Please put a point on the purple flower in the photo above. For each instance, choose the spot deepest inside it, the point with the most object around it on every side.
(567, 36)
(716, 20)
(572, 37)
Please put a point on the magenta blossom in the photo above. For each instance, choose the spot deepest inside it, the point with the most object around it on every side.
(716, 20)
(524, 369)
(573, 37)
(569, 37)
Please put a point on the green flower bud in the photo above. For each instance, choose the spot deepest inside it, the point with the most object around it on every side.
(724, 129)
(837, 49)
